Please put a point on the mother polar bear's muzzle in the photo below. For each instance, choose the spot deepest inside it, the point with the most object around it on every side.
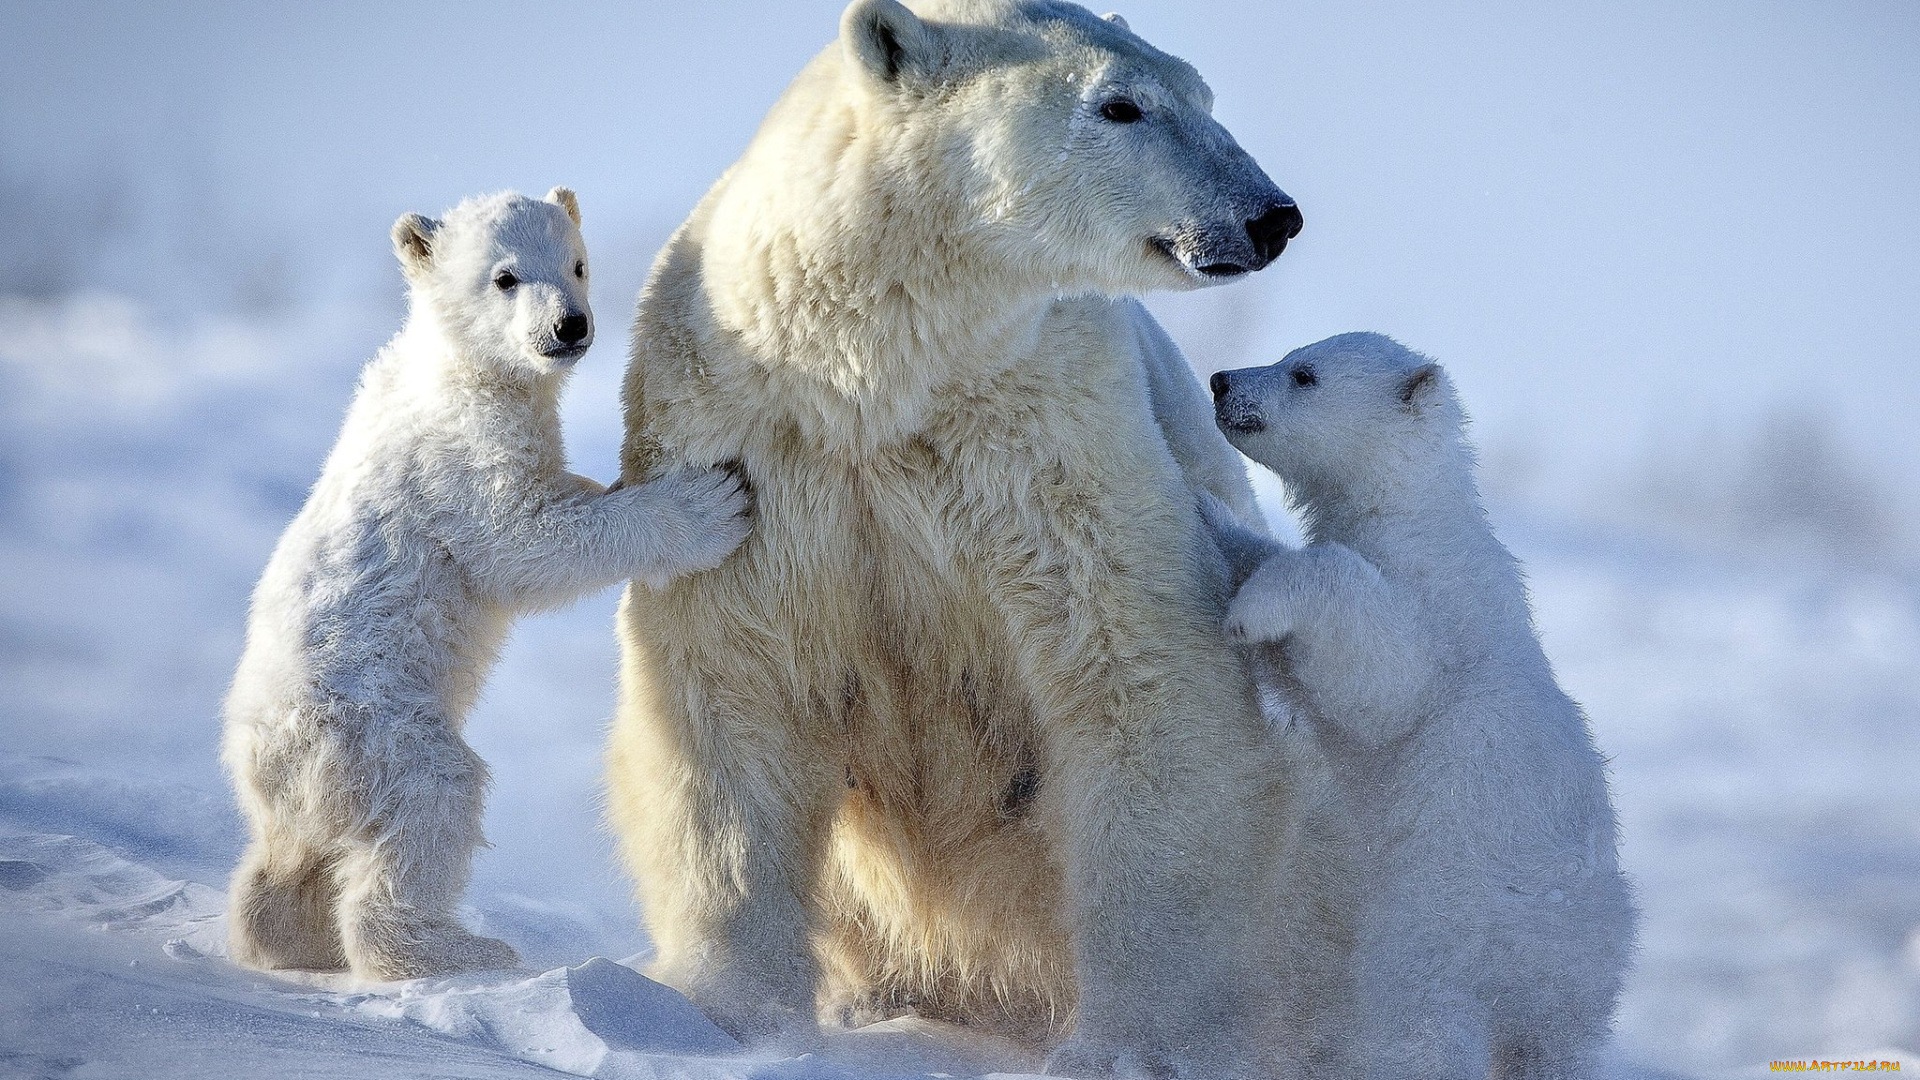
(1229, 249)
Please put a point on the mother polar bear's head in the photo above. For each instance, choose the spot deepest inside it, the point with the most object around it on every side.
(1079, 151)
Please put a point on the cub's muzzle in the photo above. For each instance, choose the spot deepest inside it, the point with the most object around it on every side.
(1236, 408)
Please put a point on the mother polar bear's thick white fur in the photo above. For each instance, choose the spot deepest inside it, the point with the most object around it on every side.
(954, 733)
(1492, 924)
(444, 508)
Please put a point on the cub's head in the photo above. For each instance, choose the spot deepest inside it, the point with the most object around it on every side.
(1348, 411)
(1081, 152)
(505, 276)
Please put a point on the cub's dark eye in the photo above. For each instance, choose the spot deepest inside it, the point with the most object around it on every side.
(1304, 376)
(580, 270)
(1120, 111)
(505, 281)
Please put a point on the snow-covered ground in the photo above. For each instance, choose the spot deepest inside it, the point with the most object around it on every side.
(1761, 704)
(1667, 250)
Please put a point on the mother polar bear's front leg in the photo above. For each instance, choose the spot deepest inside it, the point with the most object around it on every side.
(1155, 762)
(953, 732)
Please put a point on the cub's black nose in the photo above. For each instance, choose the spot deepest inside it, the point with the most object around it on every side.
(1219, 383)
(1271, 230)
(572, 330)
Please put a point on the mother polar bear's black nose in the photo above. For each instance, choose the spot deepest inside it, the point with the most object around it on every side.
(1271, 230)
(1218, 383)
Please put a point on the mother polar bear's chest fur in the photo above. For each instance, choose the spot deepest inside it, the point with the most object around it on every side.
(885, 588)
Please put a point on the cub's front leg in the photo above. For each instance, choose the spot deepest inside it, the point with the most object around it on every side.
(1242, 548)
(1288, 589)
(1350, 639)
(566, 537)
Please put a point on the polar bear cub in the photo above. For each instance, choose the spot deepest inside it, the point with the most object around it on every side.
(1494, 924)
(444, 509)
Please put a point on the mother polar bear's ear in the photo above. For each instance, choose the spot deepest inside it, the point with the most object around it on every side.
(888, 42)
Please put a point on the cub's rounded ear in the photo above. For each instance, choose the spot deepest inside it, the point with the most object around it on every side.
(413, 242)
(1114, 18)
(888, 42)
(566, 200)
(1422, 386)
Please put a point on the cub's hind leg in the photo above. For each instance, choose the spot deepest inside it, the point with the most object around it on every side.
(1551, 1057)
(1555, 1026)
(1421, 1014)
(281, 913)
(405, 866)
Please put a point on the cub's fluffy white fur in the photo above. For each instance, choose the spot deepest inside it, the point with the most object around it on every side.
(1493, 924)
(444, 508)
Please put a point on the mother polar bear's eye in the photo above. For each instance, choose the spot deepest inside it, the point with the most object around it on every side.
(1120, 111)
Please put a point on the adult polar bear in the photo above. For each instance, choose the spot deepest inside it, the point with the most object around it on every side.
(954, 731)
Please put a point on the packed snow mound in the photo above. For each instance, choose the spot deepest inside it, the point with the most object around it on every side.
(598, 1019)
(181, 829)
(80, 880)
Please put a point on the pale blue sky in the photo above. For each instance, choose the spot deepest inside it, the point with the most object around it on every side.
(1612, 221)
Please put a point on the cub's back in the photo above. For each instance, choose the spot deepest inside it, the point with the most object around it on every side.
(358, 585)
